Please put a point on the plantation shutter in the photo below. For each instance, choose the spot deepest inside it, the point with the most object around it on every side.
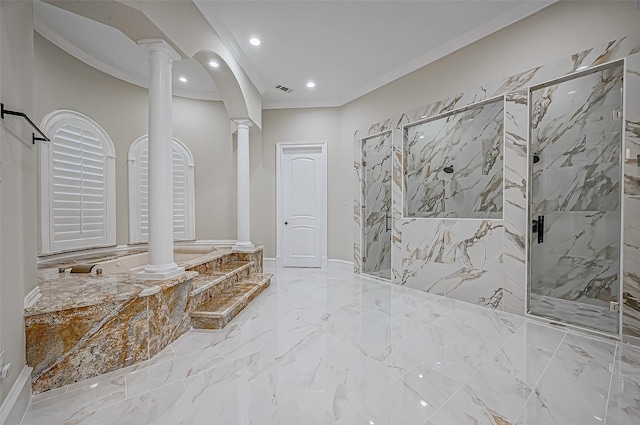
(179, 194)
(77, 189)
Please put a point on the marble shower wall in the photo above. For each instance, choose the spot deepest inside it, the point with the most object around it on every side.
(453, 164)
(376, 207)
(484, 261)
(576, 187)
(631, 203)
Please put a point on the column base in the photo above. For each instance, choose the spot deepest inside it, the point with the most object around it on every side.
(168, 271)
(244, 246)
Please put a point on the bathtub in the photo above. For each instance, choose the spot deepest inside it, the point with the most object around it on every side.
(135, 263)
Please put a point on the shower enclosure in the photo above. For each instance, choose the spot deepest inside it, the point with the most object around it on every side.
(376, 205)
(576, 133)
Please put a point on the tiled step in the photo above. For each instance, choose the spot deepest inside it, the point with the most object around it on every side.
(226, 271)
(218, 312)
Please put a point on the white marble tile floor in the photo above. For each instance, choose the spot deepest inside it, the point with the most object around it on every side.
(331, 347)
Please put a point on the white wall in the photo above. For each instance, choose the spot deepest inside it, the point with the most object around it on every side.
(294, 125)
(63, 82)
(554, 33)
(18, 182)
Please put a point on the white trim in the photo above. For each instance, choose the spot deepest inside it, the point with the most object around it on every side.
(133, 156)
(336, 264)
(15, 404)
(51, 123)
(512, 16)
(280, 148)
(141, 81)
(33, 296)
(55, 258)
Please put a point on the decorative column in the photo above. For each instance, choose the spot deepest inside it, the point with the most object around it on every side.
(161, 264)
(243, 188)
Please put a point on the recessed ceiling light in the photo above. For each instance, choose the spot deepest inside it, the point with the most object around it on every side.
(311, 84)
(214, 64)
(183, 79)
(254, 41)
(580, 68)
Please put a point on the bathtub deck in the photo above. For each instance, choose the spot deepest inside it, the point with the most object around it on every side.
(85, 325)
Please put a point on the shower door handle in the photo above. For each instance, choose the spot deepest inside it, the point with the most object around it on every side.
(538, 227)
(387, 217)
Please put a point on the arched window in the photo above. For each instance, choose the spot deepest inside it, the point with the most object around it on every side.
(183, 191)
(77, 184)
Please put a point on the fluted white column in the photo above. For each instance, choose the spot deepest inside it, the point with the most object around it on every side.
(243, 188)
(161, 264)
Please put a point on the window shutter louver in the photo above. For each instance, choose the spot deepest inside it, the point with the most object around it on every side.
(181, 201)
(78, 189)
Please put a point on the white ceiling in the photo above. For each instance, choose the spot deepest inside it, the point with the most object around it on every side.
(347, 47)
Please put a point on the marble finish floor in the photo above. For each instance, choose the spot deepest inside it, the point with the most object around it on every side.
(331, 347)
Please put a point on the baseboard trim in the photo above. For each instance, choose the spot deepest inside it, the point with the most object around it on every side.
(32, 297)
(331, 264)
(15, 404)
(335, 264)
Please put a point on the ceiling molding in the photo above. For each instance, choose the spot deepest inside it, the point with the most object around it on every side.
(495, 25)
(225, 34)
(47, 32)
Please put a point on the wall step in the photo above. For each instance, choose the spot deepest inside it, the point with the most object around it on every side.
(219, 311)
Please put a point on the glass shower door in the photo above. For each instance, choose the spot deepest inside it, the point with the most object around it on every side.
(376, 214)
(575, 193)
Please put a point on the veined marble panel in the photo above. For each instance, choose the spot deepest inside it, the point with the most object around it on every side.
(575, 186)
(586, 155)
(396, 207)
(357, 204)
(470, 142)
(631, 225)
(376, 210)
(515, 201)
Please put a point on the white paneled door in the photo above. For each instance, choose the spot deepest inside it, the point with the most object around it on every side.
(302, 204)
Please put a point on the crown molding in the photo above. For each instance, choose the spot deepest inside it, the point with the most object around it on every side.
(63, 43)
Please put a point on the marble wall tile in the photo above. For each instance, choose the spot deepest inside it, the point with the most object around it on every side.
(631, 264)
(358, 197)
(376, 207)
(471, 143)
(515, 201)
(631, 226)
(414, 243)
(396, 206)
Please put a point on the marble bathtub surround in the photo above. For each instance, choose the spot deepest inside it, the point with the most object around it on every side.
(496, 272)
(85, 325)
(330, 347)
(376, 207)
(453, 164)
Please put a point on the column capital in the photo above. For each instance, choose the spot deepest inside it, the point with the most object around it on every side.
(158, 45)
(242, 123)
